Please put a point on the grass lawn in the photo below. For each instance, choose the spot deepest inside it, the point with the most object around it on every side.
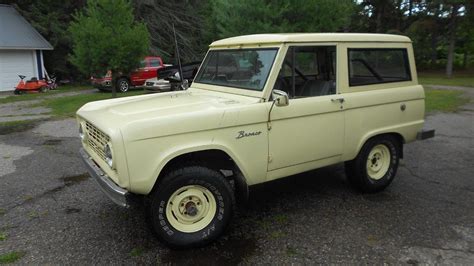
(68, 105)
(444, 100)
(464, 79)
(34, 96)
(11, 257)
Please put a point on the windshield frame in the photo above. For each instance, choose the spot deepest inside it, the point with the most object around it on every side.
(236, 89)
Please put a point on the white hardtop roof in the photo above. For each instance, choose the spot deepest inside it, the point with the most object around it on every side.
(309, 37)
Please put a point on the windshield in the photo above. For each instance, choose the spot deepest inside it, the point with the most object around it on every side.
(243, 68)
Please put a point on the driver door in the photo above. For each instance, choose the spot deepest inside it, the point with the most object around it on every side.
(311, 127)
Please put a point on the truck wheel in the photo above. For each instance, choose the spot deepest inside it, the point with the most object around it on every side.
(376, 164)
(123, 85)
(191, 207)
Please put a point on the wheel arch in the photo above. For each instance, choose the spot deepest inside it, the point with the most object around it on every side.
(396, 135)
(217, 158)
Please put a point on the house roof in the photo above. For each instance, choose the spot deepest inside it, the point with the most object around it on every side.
(17, 33)
(309, 37)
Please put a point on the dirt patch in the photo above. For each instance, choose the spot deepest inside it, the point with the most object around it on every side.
(16, 127)
(71, 180)
(52, 142)
(72, 210)
(230, 251)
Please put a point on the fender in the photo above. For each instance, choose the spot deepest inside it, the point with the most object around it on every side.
(173, 154)
(403, 130)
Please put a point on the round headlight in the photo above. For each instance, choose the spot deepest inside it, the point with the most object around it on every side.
(108, 155)
(81, 132)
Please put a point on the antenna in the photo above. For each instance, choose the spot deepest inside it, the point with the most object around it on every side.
(177, 55)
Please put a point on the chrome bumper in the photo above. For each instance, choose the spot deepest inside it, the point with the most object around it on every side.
(117, 194)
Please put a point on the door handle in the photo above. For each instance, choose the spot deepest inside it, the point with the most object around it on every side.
(340, 100)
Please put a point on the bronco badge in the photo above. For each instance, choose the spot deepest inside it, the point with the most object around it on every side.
(243, 134)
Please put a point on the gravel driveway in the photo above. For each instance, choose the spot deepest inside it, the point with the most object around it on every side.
(53, 213)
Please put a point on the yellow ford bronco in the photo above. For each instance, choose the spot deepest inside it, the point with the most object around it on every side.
(261, 107)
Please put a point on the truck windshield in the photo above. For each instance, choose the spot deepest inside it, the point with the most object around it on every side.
(242, 68)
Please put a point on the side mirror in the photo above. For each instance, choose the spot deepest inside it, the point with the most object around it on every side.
(280, 98)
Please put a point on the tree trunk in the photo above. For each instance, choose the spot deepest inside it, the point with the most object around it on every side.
(114, 85)
(449, 64)
(464, 60)
(452, 41)
(410, 8)
(434, 45)
(378, 25)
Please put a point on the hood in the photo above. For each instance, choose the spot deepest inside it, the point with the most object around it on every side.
(140, 116)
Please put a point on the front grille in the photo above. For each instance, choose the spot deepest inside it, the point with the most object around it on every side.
(96, 139)
(149, 83)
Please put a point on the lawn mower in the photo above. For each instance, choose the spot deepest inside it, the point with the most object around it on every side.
(34, 85)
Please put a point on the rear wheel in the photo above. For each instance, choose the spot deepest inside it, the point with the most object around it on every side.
(376, 165)
(123, 85)
(191, 206)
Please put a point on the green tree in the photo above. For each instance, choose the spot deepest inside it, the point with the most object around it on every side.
(232, 18)
(106, 36)
(466, 34)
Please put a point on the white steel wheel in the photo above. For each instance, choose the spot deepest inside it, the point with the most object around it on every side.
(376, 165)
(191, 208)
(378, 162)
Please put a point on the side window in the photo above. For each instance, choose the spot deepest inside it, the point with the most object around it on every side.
(308, 71)
(378, 65)
(155, 63)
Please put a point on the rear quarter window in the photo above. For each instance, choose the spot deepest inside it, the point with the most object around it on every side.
(378, 65)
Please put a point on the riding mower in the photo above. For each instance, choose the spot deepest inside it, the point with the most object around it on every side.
(34, 85)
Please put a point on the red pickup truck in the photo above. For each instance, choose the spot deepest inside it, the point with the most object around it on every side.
(147, 70)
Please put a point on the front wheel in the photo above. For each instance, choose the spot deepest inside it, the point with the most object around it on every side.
(191, 206)
(376, 165)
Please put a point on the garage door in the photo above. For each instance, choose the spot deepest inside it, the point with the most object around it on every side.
(14, 63)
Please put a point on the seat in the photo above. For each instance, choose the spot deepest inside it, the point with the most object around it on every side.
(318, 88)
(282, 85)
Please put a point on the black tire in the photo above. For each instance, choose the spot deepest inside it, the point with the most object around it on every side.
(122, 85)
(160, 204)
(360, 171)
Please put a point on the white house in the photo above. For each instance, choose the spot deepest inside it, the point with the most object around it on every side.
(21, 49)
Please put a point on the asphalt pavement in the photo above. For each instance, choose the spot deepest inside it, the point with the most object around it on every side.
(51, 212)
